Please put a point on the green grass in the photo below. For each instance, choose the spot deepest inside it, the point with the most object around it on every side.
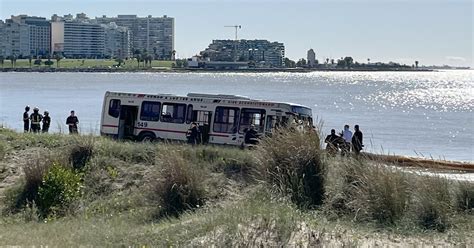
(86, 63)
(124, 185)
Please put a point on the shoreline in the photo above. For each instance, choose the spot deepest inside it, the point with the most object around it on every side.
(200, 70)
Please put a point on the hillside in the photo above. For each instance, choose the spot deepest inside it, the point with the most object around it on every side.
(63, 190)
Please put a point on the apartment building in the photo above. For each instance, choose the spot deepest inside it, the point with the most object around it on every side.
(153, 34)
(263, 52)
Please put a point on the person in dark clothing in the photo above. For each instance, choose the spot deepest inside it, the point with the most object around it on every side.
(193, 134)
(357, 140)
(36, 118)
(333, 142)
(46, 122)
(26, 119)
(72, 122)
(251, 136)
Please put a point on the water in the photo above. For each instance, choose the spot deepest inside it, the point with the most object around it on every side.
(407, 113)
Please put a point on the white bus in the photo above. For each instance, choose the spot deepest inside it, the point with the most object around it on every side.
(222, 119)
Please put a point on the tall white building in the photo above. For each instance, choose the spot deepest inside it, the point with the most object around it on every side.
(23, 36)
(77, 38)
(311, 58)
(117, 41)
(153, 34)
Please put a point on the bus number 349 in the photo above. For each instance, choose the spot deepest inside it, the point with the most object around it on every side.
(142, 124)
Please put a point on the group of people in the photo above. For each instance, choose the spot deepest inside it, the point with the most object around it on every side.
(345, 142)
(32, 122)
(36, 122)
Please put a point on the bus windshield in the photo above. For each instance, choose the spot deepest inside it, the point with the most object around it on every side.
(300, 110)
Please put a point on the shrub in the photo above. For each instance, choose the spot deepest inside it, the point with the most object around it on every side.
(432, 203)
(35, 170)
(179, 187)
(465, 197)
(291, 162)
(368, 191)
(81, 151)
(3, 150)
(60, 187)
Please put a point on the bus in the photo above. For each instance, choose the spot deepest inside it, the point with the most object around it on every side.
(222, 119)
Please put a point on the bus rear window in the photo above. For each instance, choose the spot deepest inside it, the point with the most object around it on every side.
(226, 120)
(150, 111)
(114, 108)
(249, 117)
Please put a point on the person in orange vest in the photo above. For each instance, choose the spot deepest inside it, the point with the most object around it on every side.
(36, 118)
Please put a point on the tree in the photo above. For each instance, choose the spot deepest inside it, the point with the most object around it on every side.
(289, 63)
(58, 58)
(49, 62)
(327, 60)
(332, 62)
(341, 63)
(173, 55)
(368, 61)
(301, 63)
(416, 64)
(119, 61)
(349, 61)
(13, 60)
(136, 55)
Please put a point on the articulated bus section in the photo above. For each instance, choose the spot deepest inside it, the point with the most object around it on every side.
(222, 119)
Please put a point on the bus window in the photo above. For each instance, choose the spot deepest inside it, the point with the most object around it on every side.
(226, 120)
(189, 114)
(173, 112)
(250, 117)
(114, 108)
(202, 117)
(150, 111)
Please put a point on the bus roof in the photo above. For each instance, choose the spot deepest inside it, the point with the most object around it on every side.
(201, 96)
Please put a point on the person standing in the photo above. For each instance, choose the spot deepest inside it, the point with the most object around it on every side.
(26, 119)
(347, 136)
(357, 140)
(46, 122)
(192, 134)
(72, 122)
(36, 118)
(333, 142)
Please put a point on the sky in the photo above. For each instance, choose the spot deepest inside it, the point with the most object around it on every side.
(434, 32)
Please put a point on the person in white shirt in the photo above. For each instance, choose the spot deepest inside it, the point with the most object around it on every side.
(347, 136)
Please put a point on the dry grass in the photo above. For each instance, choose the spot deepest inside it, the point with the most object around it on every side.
(465, 197)
(291, 162)
(179, 187)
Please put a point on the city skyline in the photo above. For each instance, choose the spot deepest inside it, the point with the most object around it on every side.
(432, 32)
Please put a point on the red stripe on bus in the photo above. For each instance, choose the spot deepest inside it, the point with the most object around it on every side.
(162, 130)
(165, 130)
(109, 126)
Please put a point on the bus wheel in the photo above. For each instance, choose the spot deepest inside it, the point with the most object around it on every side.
(146, 137)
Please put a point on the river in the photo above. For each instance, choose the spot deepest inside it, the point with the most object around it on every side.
(426, 114)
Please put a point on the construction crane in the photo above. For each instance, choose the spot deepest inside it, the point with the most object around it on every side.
(237, 27)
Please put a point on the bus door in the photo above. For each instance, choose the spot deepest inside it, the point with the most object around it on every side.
(128, 117)
(203, 119)
(225, 126)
